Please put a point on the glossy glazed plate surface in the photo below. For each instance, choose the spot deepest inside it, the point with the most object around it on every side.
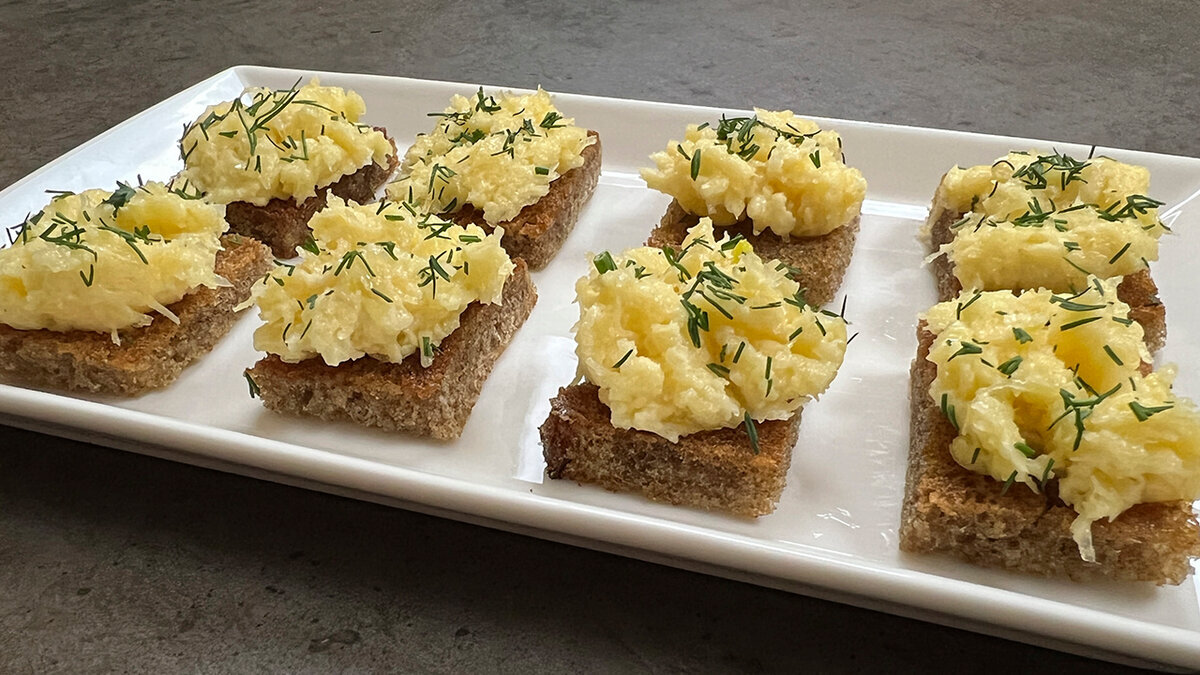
(835, 531)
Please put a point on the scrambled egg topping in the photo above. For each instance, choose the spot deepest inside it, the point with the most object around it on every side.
(781, 171)
(101, 261)
(279, 144)
(1043, 386)
(1048, 221)
(704, 337)
(496, 154)
(381, 280)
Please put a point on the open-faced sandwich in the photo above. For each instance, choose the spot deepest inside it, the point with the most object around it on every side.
(511, 162)
(273, 156)
(1034, 220)
(777, 180)
(390, 318)
(116, 292)
(696, 362)
(1042, 442)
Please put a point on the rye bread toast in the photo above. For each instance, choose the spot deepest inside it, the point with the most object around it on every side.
(540, 229)
(434, 401)
(953, 510)
(821, 261)
(1136, 290)
(148, 357)
(716, 470)
(282, 224)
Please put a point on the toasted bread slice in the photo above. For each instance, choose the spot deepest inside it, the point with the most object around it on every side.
(434, 401)
(821, 261)
(540, 229)
(951, 509)
(716, 470)
(282, 224)
(1136, 290)
(148, 357)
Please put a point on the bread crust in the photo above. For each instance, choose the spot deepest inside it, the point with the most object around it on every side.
(434, 401)
(149, 357)
(1136, 290)
(715, 470)
(953, 510)
(282, 224)
(540, 229)
(821, 261)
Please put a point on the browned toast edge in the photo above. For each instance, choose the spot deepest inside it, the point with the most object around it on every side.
(148, 357)
(434, 401)
(715, 470)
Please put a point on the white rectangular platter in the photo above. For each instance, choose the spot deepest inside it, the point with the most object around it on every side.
(835, 531)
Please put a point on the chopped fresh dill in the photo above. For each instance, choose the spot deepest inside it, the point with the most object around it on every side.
(1010, 366)
(1144, 413)
(604, 262)
(1113, 355)
(751, 431)
(623, 359)
(254, 390)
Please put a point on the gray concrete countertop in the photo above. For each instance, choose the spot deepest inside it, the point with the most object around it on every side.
(115, 562)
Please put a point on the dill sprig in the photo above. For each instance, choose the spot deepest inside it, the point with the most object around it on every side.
(1010, 366)
(604, 262)
(432, 271)
(348, 259)
(132, 239)
(254, 389)
(1036, 175)
(751, 431)
(121, 196)
(1080, 409)
(737, 135)
(966, 348)
(623, 359)
(1024, 449)
(1144, 413)
(254, 119)
(948, 412)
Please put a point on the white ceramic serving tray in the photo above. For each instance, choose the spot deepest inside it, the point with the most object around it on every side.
(834, 534)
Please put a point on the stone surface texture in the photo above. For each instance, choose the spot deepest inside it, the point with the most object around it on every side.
(112, 562)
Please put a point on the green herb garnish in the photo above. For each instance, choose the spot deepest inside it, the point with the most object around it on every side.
(604, 262)
(1144, 413)
(623, 359)
(254, 390)
(751, 431)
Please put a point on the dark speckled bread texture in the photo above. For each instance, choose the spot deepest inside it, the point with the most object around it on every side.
(540, 229)
(1136, 290)
(148, 357)
(716, 470)
(821, 261)
(953, 510)
(434, 401)
(282, 224)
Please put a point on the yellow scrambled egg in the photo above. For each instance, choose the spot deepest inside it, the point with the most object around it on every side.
(781, 171)
(1048, 221)
(496, 154)
(378, 280)
(101, 261)
(281, 144)
(1043, 386)
(703, 337)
